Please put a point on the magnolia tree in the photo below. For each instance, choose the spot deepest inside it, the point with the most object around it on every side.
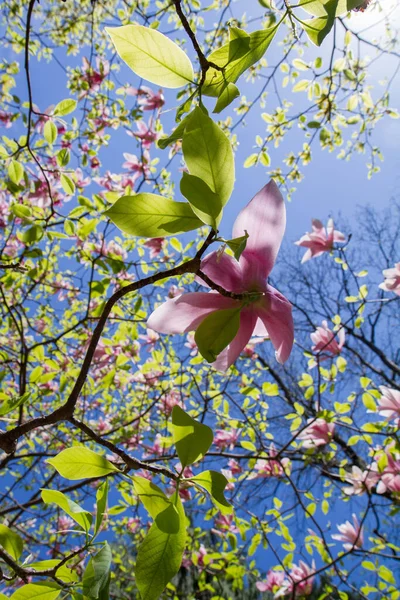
(187, 415)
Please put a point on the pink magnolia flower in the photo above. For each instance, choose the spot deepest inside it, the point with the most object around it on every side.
(272, 583)
(268, 313)
(155, 246)
(191, 344)
(150, 338)
(226, 523)
(325, 341)
(392, 280)
(318, 433)
(361, 481)
(319, 240)
(389, 403)
(234, 466)
(136, 166)
(145, 133)
(149, 100)
(225, 438)
(390, 477)
(300, 581)
(352, 536)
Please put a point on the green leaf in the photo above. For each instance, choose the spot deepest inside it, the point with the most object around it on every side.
(228, 94)
(67, 184)
(76, 512)
(217, 331)
(318, 29)
(215, 484)
(11, 542)
(192, 439)
(63, 573)
(153, 498)
(97, 573)
(208, 154)
(21, 211)
(65, 107)
(152, 55)
(318, 7)
(205, 203)
(37, 591)
(236, 57)
(10, 404)
(168, 520)
(32, 235)
(79, 462)
(238, 245)
(50, 132)
(177, 134)
(101, 505)
(149, 215)
(160, 556)
(15, 171)
(63, 157)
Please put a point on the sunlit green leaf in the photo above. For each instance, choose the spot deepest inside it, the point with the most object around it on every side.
(50, 132)
(11, 542)
(6, 406)
(149, 215)
(205, 203)
(37, 591)
(160, 556)
(101, 504)
(65, 107)
(215, 484)
(228, 94)
(76, 512)
(152, 55)
(79, 462)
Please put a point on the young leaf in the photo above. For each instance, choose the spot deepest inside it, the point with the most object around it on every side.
(37, 591)
(76, 512)
(152, 55)
(208, 154)
(65, 107)
(192, 439)
(318, 29)
(217, 331)
(160, 556)
(21, 211)
(228, 94)
(11, 542)
(205, 203)
(168, 519)
(15, 171)
(238, 245)
(215, 484)
(79, 462)
(236, 57)
(101, 504)
(10, 404)
(97, 573)
(67, 184)
(317, 7)
(50, 132)
(63, 157)
(149, 215)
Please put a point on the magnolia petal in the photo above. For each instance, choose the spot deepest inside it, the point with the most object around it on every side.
(276, 314)
(260, 330)
(185, 313)
(264, 219)
(228, 356)
(223, 270)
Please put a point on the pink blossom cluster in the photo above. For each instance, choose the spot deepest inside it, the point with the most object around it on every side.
(318, 433)
(298, 582)
(271, 466)
(147, 99)
(351, 534)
